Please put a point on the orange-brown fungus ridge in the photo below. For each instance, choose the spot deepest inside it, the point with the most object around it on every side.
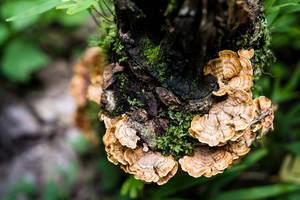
(225, 133)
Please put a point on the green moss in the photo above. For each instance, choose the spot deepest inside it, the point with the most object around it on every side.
(120, 108)
(119, 48)
(161, 69)
(170, 8)
(121, 80)
(108, 36)
(135, 102)
(260, 40)
(176, 140)
(117, 112)
(154, 58)
(152, 53)
(109, 42)
(263, 56)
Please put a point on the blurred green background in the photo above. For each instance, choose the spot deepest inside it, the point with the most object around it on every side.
(32, 45)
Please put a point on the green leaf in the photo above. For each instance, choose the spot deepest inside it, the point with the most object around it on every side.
(41, 7)
(293, 116)
(274, 8)
(132, 187)
(289, 170)
(4, 33)
(69, 174)
(292, 9)
(269, 3)
(285, 92)
(293, 148)
(12, 8)
(293, 196)
(74, 7)
(258, 192)
(287, 121)
(52, 191)
(80, 144)
(109, 181)
(22, 187)
(74, 20)
(294, 80)
(21, 59)
(278, 7)
(284, 23)
(271, 17)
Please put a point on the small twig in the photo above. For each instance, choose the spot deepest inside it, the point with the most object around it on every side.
(261, 117)
(101, 15)
(111, 12)
(94, 17)
(268, 74)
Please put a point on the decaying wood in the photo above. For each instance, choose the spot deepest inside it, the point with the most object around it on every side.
(185, 57)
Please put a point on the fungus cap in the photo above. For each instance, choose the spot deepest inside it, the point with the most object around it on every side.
(206, 162)
(125, 134)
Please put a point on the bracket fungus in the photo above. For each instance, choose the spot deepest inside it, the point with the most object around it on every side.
(206, 162)
(166, 99)
(125, 134)
(228, 118)
(222, 135)
(230, 125)
(224, 120)
(144, 164)
(233, 71)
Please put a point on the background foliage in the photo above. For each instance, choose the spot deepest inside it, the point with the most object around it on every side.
(271, 171)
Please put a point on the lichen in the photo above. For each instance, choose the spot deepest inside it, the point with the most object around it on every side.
(176, 140)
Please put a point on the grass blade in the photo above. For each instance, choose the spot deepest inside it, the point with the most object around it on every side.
(41, 7)
(180, 183)
(258, 192)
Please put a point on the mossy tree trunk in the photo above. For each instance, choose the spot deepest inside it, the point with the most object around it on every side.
(166, 45)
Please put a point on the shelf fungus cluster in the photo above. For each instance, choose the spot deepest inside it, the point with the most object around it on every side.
(231, 125)
(148, 133)
(120, 142)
